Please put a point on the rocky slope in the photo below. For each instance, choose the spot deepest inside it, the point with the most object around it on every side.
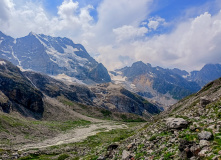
(190, 129)
(116, 98)
(52, 56)
(155, 83)
(17, 92)
(25, 92)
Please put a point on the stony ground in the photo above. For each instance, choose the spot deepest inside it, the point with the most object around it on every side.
(190, 131)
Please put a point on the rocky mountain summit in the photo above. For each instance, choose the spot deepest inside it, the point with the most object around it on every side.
(155, 83)
(190, 129)
(52, 56)
(164, 86)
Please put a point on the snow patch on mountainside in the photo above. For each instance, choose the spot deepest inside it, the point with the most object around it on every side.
(66, 60)
(2, 62)
(41, 40)
(19, 62)
(118, 77)
(70, 49)
(66, 78)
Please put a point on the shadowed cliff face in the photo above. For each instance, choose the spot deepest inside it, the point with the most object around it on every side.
(55, 88)
(18, 93)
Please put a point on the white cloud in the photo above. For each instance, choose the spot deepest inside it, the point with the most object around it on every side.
(68, 9)
(117, 33)
(155, 22)
(190, 46)
(5, 8)
(129, 32)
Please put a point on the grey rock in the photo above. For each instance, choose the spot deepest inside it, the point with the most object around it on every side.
(101, 158)
(202, 153)
(204, 101)
(204, 143)
(205, 135)
(125, 155)
(195, 149)
(176, 123)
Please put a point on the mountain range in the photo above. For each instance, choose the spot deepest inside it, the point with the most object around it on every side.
(165, 86)
(52, 56)
(25, 92)
(57, 102)
(63, 59)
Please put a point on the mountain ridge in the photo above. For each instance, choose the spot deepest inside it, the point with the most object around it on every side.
(26, 91)
(165, 86)
(52, 56)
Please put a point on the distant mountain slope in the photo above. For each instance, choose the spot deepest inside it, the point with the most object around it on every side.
(156, 83)
(53, 56)
(25, 91)
(207, 74)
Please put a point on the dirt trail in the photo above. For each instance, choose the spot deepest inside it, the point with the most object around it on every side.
(75, 135)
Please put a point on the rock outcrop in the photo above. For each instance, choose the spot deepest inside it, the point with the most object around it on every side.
(176, 123)
(17, 92)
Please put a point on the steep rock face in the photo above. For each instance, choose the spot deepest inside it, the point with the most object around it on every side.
(18, 93)
(156, 83)
(53, 56)
(100, 73)
(207, 74)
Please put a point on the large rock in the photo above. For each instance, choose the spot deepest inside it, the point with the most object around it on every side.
(176, 123)
(205, 135)
(204, 143)
(126, 155)
(204, 101)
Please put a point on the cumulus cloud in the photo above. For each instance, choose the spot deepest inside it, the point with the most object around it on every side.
(72, 21)
(191, 45)
(129, 32)
(117, 37)
(155, 22)
(5, 8)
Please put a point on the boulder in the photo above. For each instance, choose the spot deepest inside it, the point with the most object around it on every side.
(204, 101)
(195, 149)
(205, 135)
(202, 153)
(101, 158)
(176, 123)
(126, 155)
(204, 143)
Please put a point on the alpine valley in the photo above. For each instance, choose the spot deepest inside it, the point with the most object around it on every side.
(57, 102)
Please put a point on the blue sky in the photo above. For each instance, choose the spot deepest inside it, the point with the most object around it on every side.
(168, 33)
